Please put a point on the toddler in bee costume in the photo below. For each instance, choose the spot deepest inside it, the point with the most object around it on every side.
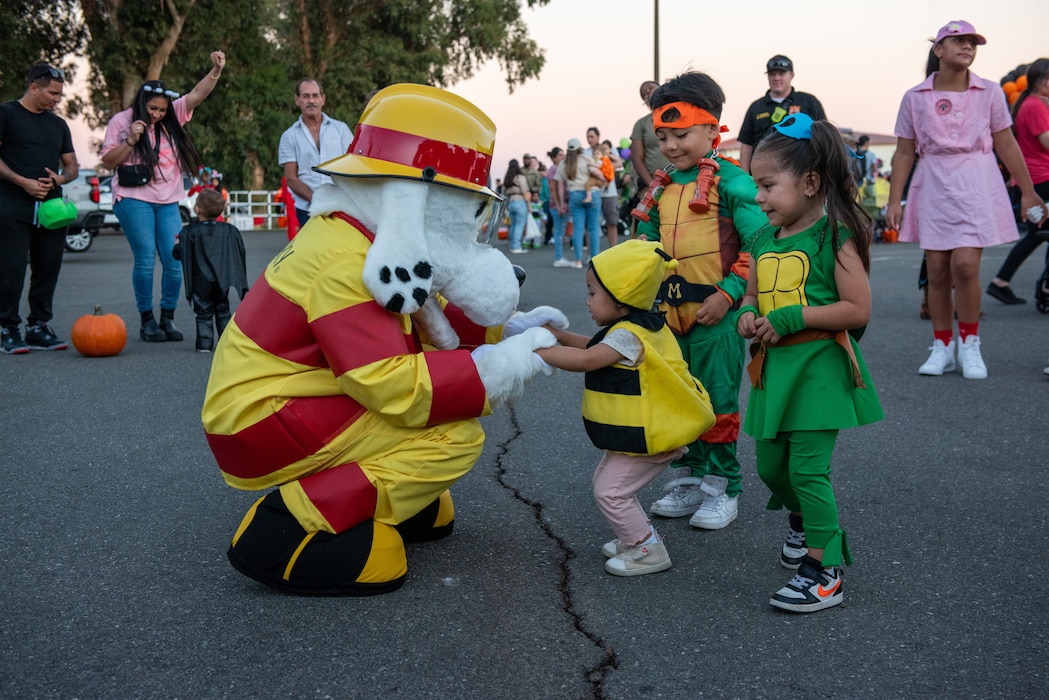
(640, 403)
(350, 380)
(702, 209)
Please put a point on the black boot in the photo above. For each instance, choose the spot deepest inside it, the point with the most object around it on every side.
(151, 332)
(205, 335)
(167, 324)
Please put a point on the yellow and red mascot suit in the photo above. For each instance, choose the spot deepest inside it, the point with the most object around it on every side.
(352, 376)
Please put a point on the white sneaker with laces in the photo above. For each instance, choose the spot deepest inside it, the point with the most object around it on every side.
(971, 360)
(562, 262)
(941, 359)
(718, 508)
(682, 497)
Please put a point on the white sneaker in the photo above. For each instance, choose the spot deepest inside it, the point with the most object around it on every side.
(562, 262)
(639, 559)
(613, 548)
(941, 359)
(718, 508)
(971, 360)
(682, 497)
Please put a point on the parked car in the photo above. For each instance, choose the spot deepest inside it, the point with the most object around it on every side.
(85, 193)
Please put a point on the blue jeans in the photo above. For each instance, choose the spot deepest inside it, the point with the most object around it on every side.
(518, 209)
(585, 216)
(150, 230)
(560, 222)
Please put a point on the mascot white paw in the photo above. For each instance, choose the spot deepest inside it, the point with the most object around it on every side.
(539, 316)
(506, 366)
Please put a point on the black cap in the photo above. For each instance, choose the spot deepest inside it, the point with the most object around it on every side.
(779, 62)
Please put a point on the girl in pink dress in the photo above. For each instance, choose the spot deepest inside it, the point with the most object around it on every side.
(957, 204)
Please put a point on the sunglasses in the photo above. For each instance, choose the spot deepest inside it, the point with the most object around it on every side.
(160, 91)
(55, 73)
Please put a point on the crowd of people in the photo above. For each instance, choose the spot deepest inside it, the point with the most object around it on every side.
(773, 249)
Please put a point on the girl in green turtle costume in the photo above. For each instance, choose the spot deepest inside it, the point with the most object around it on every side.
(807, 294)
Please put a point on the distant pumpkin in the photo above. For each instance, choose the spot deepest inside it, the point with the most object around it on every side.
(98, 334)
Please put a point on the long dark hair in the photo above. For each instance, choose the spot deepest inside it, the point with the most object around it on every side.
(188, 157)
(513, 171)
(825, 155)
(1036, 73)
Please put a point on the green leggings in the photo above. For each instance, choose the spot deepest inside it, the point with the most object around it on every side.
(796, 468)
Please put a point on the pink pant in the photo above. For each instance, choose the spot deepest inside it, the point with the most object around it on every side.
(617, 481)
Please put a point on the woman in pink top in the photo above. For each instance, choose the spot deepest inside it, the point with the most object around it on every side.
(150, 133)
(1031, 116)
(957, 204)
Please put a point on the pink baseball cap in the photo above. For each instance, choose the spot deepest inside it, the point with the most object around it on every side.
(958, 27)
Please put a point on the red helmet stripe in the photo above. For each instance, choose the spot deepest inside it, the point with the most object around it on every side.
(420, 152)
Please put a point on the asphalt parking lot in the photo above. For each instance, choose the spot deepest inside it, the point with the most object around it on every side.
(116, 523)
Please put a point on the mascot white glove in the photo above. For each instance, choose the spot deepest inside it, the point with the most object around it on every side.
(506, 366)
(539, 316)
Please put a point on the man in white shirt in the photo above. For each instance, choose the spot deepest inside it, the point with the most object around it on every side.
(314, 139)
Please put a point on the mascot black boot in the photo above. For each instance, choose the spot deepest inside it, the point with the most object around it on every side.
(271, 547)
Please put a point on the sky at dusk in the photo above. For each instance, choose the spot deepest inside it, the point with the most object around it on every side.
(857, 58)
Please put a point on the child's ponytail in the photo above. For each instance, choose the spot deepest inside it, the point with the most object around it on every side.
(831, 161)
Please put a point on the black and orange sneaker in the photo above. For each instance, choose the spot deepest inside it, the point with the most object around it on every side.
(812, 588)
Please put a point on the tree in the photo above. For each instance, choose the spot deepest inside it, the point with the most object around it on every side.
(352, 47)
(48, 31)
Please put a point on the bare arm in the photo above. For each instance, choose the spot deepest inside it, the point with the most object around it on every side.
(637, 158)
(202, 89)
(291, 175)
(70, 169)
(902, 162)
(745, 154)
(574, 359)
(1009, 152)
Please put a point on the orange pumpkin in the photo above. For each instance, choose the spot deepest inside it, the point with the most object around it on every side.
(98, 334)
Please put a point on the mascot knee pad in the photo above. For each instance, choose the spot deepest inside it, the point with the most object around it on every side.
(271, 547)
(432, 522)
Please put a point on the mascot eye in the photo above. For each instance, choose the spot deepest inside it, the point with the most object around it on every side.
(429, 173)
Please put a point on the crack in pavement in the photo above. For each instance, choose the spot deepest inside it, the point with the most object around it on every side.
(596, 674)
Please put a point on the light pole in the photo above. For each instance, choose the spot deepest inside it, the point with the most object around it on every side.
(655, 43)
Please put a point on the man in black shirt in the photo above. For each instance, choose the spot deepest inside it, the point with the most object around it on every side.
(35, 145)
(778, 102)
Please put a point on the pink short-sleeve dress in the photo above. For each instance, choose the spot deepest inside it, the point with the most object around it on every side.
(957, 197)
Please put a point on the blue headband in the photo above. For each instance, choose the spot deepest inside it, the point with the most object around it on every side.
(796, 126)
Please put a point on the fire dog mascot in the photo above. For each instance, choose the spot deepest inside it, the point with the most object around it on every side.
(352, 376)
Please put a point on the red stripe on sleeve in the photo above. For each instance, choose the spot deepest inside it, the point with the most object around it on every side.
(342, 494)
(470, 334)
(278, 325)
(457, 389)
(297, 430)
(359, 335)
